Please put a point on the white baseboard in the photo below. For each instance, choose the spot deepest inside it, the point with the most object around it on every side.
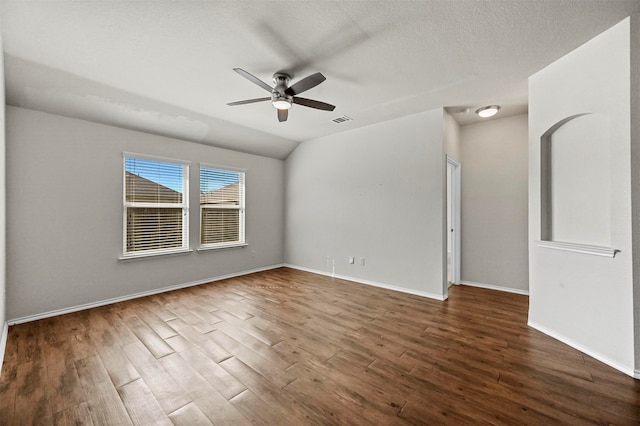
(495, 287)
(368, 282)
(77, 308)
(614, 364)
(3, 343)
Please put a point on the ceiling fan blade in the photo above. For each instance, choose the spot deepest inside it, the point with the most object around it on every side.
(283, 114)
(305, 84)
(253, 79)
(248, 101)
(313, 104)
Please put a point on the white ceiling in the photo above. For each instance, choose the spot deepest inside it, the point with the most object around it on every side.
(165, 67)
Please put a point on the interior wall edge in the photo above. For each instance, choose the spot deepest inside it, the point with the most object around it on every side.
(635, 178)
(49, 314)
(370, 283)
(495, 287)
(629, 371)
(3, 343)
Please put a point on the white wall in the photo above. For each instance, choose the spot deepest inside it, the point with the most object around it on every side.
(494, 203)
(64, 216)
(582, 299)
(376, 192)
(635, 175)
(3, 316)
(578, 199)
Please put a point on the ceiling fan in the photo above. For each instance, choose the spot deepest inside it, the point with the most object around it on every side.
(283, 95)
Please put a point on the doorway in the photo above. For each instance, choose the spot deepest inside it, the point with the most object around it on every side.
(453, 223)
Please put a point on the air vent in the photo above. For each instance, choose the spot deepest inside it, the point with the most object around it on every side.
(342, 119)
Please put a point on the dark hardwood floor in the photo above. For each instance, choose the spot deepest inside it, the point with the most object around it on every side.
(285, 347)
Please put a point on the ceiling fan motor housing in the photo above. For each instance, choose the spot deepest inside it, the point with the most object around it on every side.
(279, 99)
(281, 80)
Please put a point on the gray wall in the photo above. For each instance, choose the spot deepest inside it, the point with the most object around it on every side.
(584, 299)
(376, 192)
(64, 215)
(452, 138)
(494, 203)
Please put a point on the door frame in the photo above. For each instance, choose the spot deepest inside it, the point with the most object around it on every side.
(456, 234)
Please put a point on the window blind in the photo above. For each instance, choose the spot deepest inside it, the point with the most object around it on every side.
(155, 206)
(221, 207)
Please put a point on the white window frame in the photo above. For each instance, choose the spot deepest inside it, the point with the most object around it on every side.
(184, 206)
(241, 208)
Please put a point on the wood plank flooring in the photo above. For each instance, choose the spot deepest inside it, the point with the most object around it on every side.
(286, 347)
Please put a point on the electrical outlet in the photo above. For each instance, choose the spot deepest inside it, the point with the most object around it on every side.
(352, 260)
(362, 261)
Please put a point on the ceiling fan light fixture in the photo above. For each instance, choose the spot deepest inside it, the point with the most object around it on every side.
(488, 111)
(281, 103)
(280, 100)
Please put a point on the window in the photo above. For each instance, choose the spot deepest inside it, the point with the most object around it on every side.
(221, 207)
(156, 219)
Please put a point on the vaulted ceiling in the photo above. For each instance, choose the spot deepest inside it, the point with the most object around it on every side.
(165, 67)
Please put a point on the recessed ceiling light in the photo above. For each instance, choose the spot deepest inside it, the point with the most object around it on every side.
(488, 111)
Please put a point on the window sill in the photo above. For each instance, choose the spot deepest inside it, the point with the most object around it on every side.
(142, 256)
(226, 246)
(579, 248)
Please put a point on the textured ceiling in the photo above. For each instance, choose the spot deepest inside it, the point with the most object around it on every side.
(165, 67)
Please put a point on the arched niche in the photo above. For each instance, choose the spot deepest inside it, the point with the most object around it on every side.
(576, 184)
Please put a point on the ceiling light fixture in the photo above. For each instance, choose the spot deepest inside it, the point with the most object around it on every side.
(488, 111)
(280, 101)
(282, 104)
